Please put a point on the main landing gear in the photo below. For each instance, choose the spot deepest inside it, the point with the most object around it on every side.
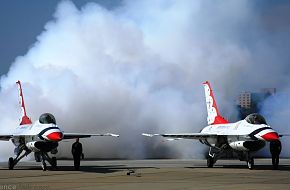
(214, 154)
(13, 161)
(39, 157)
(212, 157)
(10, 163)
(210, 162)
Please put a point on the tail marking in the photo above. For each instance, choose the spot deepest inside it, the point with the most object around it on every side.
(213, 115)
(25, 119)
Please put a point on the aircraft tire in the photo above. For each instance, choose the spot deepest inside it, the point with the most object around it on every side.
(210, 162)
(44, 167)
(250, 163)
(11, 163)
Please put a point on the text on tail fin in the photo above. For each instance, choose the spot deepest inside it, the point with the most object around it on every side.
(213, 116)
(24, 119)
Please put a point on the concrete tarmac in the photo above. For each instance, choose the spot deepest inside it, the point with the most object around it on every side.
(147, 174)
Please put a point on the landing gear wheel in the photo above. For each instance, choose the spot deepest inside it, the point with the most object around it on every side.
(44, 167)
(210, 162)
(53, 162)
(250, 163)
(11, 163)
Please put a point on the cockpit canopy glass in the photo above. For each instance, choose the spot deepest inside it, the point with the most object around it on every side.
(255, 118)
(47, 118)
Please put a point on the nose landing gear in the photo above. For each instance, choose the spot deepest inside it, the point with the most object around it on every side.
(52, 161)
(250, 163)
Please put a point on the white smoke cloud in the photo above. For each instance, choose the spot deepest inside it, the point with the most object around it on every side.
(139, 68)
(276, 110)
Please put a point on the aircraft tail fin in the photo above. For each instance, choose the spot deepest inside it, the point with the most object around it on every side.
(213, 115)
(24, 118)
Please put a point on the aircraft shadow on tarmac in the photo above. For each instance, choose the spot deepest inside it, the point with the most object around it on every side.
(260, 167)
(92, 169)
(101, 169)
(257, 167)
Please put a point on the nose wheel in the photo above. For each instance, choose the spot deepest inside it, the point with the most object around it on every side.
(250, 163)
(52, 161)
(43, 165)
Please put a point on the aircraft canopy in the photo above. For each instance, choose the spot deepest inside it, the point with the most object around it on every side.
(47, 118)
(255, 118)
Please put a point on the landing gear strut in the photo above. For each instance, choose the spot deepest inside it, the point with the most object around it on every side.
(12, 162)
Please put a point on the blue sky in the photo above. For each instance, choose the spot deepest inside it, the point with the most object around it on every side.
(22, 21)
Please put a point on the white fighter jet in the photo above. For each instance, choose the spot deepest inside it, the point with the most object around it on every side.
(40, 137)
(244, 137)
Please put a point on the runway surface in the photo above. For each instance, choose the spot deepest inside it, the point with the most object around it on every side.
(147, 174)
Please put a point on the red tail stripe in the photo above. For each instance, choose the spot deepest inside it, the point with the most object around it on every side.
(25, 120)
(218, 119)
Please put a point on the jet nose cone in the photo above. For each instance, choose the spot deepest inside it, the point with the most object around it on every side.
(55, 136)
(271, 136)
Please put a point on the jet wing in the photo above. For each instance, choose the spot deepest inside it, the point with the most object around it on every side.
(85, 135)
(179, 136)
(5, 137)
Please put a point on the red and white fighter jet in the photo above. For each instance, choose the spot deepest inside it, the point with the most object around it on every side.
(40, 137)
(244, 137)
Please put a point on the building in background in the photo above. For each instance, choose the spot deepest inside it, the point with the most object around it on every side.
(250, 102)
(244, 100)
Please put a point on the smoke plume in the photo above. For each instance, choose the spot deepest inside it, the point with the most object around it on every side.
(139, 68)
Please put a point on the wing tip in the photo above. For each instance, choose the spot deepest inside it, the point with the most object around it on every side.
(147, 135)
(111, 134)
(150, 135)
